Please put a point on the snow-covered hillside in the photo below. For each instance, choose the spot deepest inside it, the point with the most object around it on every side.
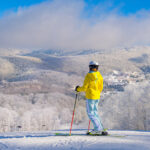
(37, 88)
(120, 140)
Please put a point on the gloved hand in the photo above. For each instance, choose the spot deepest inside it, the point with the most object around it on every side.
(77, 88)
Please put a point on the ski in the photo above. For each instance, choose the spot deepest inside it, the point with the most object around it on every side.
(67, 134)
(82, 134)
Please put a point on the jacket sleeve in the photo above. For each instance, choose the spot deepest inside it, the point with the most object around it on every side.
(85, 85)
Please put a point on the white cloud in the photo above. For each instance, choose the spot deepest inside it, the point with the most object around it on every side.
(60, 24)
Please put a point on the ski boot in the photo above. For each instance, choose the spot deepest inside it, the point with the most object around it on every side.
(97, 133)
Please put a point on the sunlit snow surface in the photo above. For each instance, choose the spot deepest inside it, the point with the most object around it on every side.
(125, 140)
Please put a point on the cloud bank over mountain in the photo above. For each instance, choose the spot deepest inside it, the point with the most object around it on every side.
(63, 24)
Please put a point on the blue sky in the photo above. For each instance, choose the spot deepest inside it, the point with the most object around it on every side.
(124, 7)
(13, 5)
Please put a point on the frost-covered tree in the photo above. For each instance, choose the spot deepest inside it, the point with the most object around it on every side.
(129, 109)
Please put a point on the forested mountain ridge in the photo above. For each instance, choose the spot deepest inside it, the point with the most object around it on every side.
(37, 88)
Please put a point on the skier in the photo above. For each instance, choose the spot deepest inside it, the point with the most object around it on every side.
(93, 86)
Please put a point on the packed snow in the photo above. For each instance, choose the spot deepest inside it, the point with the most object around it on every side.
(120, 140)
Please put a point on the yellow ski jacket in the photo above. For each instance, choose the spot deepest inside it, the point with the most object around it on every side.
(92, 86)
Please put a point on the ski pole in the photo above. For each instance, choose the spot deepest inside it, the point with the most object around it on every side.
(89, 125)
(73, 113)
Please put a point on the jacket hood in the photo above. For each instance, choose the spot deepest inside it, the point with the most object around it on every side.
(93, 75)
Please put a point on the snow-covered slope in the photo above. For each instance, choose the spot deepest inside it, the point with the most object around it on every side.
(129, 140)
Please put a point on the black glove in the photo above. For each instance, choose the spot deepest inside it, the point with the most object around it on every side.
(76, 88)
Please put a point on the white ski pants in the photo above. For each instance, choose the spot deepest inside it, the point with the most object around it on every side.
(92, 111)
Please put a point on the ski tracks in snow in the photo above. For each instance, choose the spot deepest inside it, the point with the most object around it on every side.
(133, 140)
(71, 143)
(50, 143)
(3, 146)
